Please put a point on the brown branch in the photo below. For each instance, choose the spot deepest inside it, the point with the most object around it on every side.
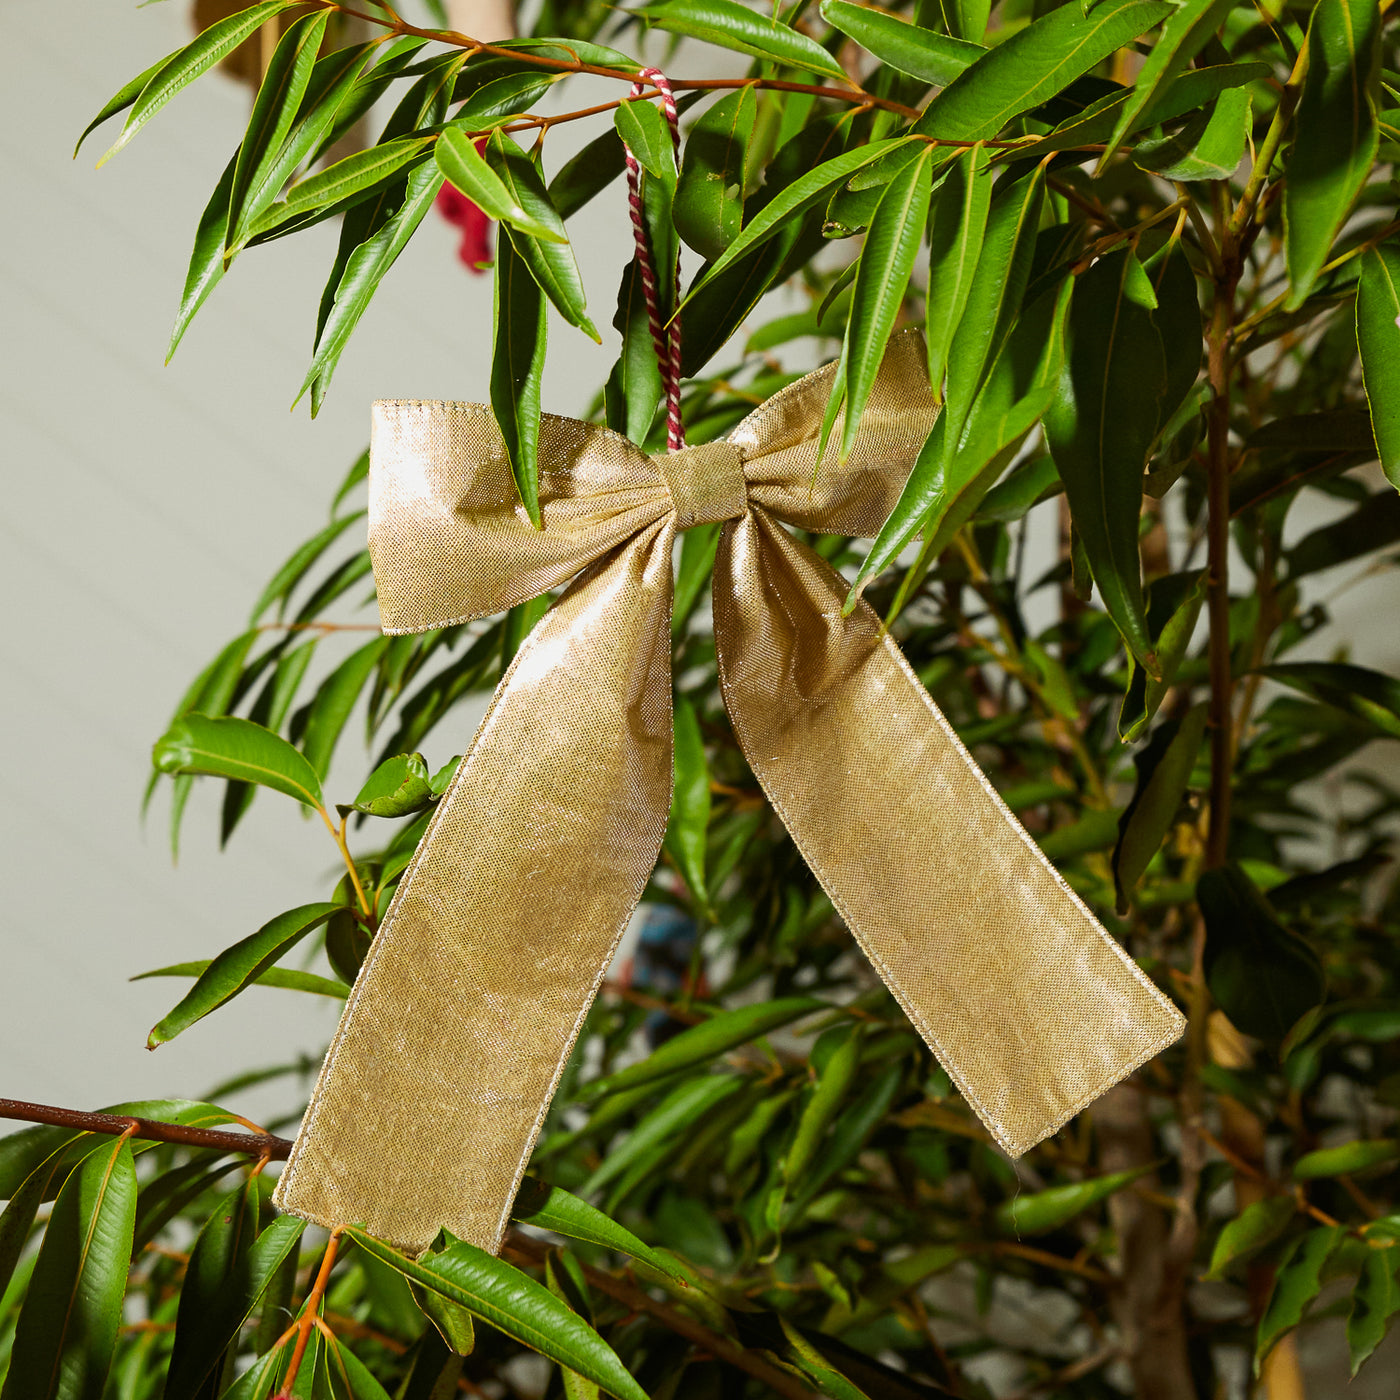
(254, 1144)
(532, 1251)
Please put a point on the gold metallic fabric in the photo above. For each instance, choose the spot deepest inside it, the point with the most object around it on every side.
(476, 986)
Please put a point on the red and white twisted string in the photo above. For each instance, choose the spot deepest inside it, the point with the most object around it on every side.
(665, 339)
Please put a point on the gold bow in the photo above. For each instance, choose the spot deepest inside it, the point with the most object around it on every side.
(476, 986)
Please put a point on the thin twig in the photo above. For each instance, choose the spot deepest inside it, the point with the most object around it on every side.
(253, 1144)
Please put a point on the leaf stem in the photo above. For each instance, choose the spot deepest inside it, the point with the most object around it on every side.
(1273, 138)
(309, 1309)
(338, 836)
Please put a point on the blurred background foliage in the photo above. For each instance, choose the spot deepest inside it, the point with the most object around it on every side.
(1151, 245)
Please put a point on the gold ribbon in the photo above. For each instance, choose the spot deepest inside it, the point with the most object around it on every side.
(474, 991)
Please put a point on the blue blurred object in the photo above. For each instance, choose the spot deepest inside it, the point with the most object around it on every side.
(661, 963)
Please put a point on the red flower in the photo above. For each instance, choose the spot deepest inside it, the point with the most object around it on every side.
(475, 247)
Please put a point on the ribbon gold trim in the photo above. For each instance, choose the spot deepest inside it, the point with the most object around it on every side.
(475, 988)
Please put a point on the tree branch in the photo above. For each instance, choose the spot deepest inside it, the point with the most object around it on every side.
(275, 1149)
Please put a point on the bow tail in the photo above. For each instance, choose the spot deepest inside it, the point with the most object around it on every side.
(1027, 1002)
(475, 988)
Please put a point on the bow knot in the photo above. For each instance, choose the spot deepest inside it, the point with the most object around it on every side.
(706, 483)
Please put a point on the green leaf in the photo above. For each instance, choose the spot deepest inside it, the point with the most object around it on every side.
(517, 368)
(464, 166)
(333, 702)
(921, 53)
(515, 1304)
(40, 1185)
(551, 263)
(1103, 425)
(333, 81)
(1209, 147)
(220, 1253)
(1146, 693)
(360, 1383)
(798, 197)
(886, 262)
(365, 268)
(237, 749)
(1374, 1301)
(1335, 137)
(1345, 1159)
(644, 132)
(274, 109)
(281, 585)
(286, 979)
(683, 1108)
(1163, 772)
(359, 174)
(189, 63)
(1372, 526)
(734, 26)
(230, 1303)
(586, 174)
(1367, 695)
(698, 549)
(835, 1061)
(67, 1328)
(709, 204)
(1378, 338)
(1297, 1282)
(398, 786)
(453, 1322)
(957, 228)
(239, 967)
(122, 99)
(1257, 1225)
(1182, 37)
(1262, 975)
(812, 1364)
(687, 831)
(1034, 64)
(1043, 1211)
(705, 1042)
(206, 258)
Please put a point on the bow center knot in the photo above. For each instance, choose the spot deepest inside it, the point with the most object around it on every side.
(706, 483)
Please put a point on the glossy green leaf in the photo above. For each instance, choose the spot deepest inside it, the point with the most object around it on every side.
(957, 228)
(1257, 1225)
(358, 174)
(794, 200)
(698, 549)
(281, 585)
(1163, 771)
(551, 263)
(220, 1253)
(1297, 1281)
(1374, 525)
(1102, 426)
(700, 1044)
(735, 26)
(1334, 139)
(886, 262)
(907, 48)
(1146, 693)
(190, 62)
(835, 1074)
(1182, 37)
(687, 831)
(239, 967)
(1209, 147)
(643, 130)
(288, 979)
(1347, 1158)
(453, 1322)
(275, 108)
(465, 167)
(334, 700)
(398, 786)
(1262, 975)
(514, 1303)
(365, 268)
(67, 1328)
(228, 1303)
(496, 102)
(122, 99)
(237, 749)
(1374, 1301)
(1039, 1212)
(517, 367)
(682, 1109)
(206, 258)
(709, 205)
(359, 1382)
(587, 174)
(1366, 694)
(40, 1185)
(1378, 337)
(1034, 64)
